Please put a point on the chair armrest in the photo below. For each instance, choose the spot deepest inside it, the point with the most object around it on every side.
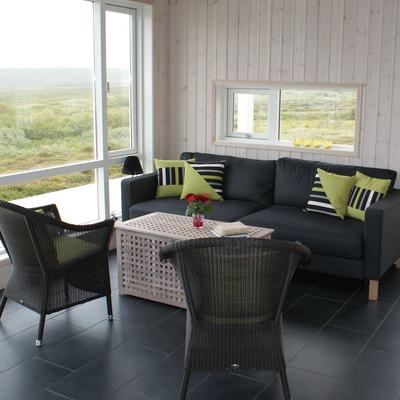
(137, 189)
(50, 210)
(382, 235)
(62, 244)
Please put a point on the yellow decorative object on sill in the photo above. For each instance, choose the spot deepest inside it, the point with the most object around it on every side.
(315, 144)
(327, 145)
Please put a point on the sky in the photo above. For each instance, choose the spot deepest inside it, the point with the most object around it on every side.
(57, 34)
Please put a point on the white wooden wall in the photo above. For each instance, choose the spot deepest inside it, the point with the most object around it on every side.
(289, 40)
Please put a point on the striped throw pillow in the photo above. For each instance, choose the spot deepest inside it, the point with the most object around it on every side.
(212, 173)
(361, 198)
(318, 201)
(365, 192)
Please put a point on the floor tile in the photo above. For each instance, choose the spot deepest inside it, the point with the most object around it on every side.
(220, 386)
(362, 314)
(146, 313)
(310, 314)
(387, 337)
(21, 346)
(292, 344)
(374, 376)
(166, 336)
(303, 386)
(17, 321)
(104, 375)
(28, 379)
(80, 349)
(161, 382)
(331, 352)
(85, 315)
(336, 288)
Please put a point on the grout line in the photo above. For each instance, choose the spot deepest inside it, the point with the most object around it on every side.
(61, 396)
(54, 364)
(326, 298)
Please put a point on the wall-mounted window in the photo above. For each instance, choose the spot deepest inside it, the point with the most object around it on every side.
(283, 115)
(72, 101)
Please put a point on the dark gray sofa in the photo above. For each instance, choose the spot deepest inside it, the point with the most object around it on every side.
(273, 194)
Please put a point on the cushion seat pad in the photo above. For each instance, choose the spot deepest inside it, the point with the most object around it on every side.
(227, 210)
(324, 235)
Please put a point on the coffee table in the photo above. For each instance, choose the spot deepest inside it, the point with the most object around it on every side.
(141, 273)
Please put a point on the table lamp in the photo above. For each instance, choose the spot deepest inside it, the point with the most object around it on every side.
(132, 166)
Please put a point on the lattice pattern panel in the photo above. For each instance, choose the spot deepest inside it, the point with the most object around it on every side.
(143, 274)
(177, 227)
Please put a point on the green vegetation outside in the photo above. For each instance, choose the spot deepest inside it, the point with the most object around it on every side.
(47, 127)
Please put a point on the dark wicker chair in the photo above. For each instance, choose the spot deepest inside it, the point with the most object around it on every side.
(56, 265)
(235, 290)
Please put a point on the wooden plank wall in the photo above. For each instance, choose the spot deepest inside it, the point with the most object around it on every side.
(284, 40)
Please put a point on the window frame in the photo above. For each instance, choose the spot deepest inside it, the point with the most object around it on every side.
(220, 134)
(273, 112)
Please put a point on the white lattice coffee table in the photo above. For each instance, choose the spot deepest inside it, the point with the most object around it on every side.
(141, 273)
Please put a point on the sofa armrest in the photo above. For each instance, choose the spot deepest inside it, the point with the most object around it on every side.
(382, 235)
(137, 189)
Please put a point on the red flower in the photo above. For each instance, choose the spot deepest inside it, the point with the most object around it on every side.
(190, 197)
(203, 198)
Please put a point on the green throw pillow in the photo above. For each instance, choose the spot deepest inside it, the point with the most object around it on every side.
(330, 193)
(196, 184)
(170, 177)
(365, 192)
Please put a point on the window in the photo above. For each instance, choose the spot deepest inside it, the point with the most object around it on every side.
(252, 114)
(72, 101)
(267, 114)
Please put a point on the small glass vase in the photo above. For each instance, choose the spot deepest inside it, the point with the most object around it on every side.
(198, 221)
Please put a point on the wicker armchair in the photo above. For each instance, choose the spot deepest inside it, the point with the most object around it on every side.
(235, 290)
(56, 265)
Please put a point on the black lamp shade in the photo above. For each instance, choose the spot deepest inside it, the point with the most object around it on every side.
(132, 166)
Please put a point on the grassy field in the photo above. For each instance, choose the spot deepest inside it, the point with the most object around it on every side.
(53, 127)
(46, 127)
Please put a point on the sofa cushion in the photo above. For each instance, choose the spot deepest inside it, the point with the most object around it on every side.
(228, 210)
(245, 179)
(322, 234)
(294, 178)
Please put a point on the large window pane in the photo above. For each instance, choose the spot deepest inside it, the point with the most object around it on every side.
(75, 195)
(250, 113)
(321, 115)
(118, 28)
(46, 83)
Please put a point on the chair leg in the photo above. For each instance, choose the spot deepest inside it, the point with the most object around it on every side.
(185, 383)
(285, 385)
(39, 340)
(109, 307)
(3, 304)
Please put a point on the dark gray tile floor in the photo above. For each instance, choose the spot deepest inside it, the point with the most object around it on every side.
(338, 346)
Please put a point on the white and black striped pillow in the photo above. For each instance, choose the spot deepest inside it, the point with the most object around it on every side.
(361, 198)
(212, 172)
(170, 176)
(318, 201)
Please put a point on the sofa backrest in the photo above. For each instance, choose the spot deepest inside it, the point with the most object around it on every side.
(245, 179)
(294, 178)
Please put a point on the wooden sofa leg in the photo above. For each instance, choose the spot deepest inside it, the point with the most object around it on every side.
(373, 290)
(397, 263)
